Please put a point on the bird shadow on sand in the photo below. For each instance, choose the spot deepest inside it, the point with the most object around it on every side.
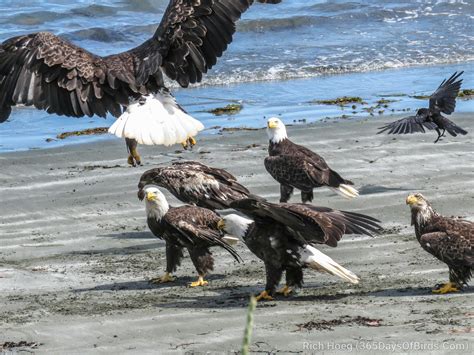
(129, 235)
(377, 189)
(138, 285)
(415, 291)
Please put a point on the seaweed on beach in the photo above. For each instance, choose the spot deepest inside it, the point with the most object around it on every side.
(11, 345)
(230, 109)
(340, 101)
(466, 94)
(84, 132)
(344, 320)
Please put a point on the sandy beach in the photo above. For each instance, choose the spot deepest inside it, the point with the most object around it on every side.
(76, 255)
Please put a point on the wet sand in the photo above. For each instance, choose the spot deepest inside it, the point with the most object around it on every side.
(75, 252)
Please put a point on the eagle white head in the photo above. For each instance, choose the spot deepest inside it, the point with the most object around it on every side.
(276, 130)
(156, 204)
(236, 225)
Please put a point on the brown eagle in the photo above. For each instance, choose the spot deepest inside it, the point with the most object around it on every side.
(186, 227)
(52, 74)
(448, 239)
(195, 183)
(283, 236)
(443, 100)
(295, 166)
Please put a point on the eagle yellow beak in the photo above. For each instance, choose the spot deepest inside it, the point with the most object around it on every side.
(411, 200)
(272, 124)
(221, 224)
(150, 196)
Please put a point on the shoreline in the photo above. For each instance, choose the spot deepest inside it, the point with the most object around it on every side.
(75, 252)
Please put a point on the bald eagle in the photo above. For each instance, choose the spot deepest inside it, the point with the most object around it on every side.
(295, 166)
(448, 239)
(195, 183)
(52, 74)
(283, 237)
(187, 227)
(443, 100)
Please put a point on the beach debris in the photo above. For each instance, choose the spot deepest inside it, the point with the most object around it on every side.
(344, 320)
(84, 132)
(340, 101)
(236, 129)
(230, 109)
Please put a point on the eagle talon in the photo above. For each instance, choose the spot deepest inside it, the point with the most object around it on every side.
(446, 288)
(134, 158)
(264, 295)
(200, 282)
(285, 291)
(163, 279)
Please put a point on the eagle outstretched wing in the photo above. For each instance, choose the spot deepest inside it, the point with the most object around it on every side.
(307, 223)
(444, 98)
(52, 74)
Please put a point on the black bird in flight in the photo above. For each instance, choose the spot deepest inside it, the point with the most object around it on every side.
(443, 100)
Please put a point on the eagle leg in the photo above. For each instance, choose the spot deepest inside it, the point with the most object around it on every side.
(264, 295)
(167, 277)
(189, 143)
(134, 158)
(446, 288)
(285, 291)
(200, 282)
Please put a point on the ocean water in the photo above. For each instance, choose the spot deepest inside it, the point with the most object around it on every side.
(282, 57)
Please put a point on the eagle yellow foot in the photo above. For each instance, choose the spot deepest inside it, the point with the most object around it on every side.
(200, 282)
(285, 291)
(189, 143)
(264, 296)
(446, 288)
(163, 279)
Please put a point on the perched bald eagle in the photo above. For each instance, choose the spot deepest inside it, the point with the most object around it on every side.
(295, 166)
(195, 183)
(52, 74)
(283, 237)
(187, 227)
(448, 239)
(443, 100)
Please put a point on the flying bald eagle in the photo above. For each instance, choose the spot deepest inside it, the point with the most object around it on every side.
(52, 74)
(283, 237)
(443, 100)
(295, 166)
(195, 183)
(448, 239)
(194, 228)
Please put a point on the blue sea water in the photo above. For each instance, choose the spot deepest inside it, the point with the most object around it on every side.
(282, 57)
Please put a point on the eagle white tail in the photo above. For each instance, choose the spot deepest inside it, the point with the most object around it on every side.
(156, 119)
(231, 240)
(346, 191)
(321, 262)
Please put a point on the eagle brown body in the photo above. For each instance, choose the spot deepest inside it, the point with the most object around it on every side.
(448, 239)
(195, 183)
(187, 227)
(295, 166)
(53, 74)
(283, 235)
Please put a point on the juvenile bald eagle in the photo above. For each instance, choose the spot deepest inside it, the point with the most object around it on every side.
(295, 166)
(195, 183)
(52, 74)
(283, 237)
(450, 240)
(443, 100)
(187, 227)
